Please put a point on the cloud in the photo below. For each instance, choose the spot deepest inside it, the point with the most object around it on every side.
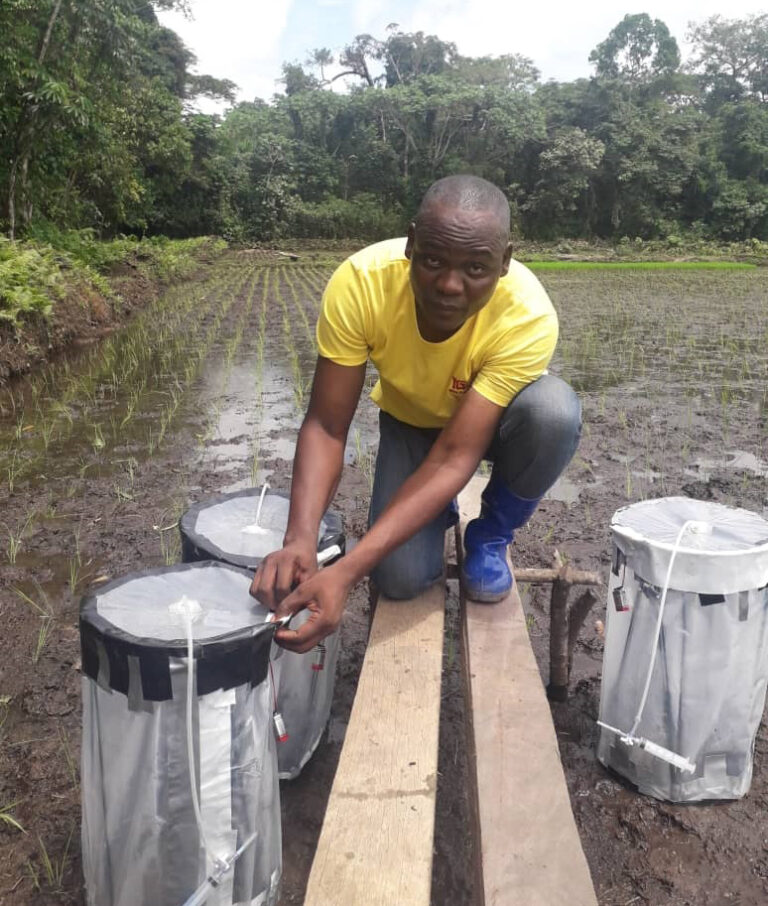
(237, 40)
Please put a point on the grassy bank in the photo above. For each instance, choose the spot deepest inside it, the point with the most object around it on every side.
(62, 286)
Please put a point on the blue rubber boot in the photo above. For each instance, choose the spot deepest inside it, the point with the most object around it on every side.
(484, 573)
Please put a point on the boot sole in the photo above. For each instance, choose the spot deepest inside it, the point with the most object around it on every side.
(485, 597)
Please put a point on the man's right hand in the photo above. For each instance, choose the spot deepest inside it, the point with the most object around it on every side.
(281, 571)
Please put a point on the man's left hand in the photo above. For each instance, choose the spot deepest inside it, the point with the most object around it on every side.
(325, 595)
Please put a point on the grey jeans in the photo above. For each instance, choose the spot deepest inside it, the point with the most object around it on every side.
(534, 442)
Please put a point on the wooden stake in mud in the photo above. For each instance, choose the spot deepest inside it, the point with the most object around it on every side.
(564, 623)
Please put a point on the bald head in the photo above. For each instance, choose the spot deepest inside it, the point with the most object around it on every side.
(465, 193)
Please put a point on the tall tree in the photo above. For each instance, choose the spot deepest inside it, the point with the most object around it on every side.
(731, 56)
(638, 49)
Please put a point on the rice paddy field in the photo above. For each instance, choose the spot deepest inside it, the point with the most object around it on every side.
(203, 392)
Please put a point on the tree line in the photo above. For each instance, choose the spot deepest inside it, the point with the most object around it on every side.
(97, 130)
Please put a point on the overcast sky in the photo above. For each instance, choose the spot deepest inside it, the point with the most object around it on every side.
(248, 40)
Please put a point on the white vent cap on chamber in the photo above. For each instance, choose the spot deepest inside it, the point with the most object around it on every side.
(186, 609)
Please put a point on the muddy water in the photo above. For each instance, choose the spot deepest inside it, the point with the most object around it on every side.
(204, 392)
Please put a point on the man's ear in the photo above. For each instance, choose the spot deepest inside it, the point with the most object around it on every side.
(506, 259)
(410, 240)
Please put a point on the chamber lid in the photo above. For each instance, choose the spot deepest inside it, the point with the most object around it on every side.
(150, 606)
(723, 549)
(715, 528)
(139, 623)
(227, 527)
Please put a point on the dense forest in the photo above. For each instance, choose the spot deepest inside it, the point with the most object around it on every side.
(98, 130)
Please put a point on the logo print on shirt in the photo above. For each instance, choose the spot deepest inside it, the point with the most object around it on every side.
(458, 387)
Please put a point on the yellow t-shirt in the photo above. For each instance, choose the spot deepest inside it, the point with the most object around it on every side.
(368, 310)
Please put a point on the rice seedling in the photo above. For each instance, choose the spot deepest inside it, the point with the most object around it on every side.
(21, 426)
(16, 539)
(75, 564)
(69, 759)
(13, 469)
(54, 869)
(98, 443)
(5, 703)
(7, 818)
(45, 611)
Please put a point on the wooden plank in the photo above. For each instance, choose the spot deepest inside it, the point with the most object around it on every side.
(375, 848)
(531, 854)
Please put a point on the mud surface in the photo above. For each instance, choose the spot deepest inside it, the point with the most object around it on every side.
(203, 391)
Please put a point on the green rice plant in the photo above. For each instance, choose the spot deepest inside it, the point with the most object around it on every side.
(75, 563)
(98, 443)
(5, 703)
(46, 433)
(16, 539)
(54, 869)
(69, 759)
(21, 426)
(46, 613)
(8, 819)
(12, 471)
(63, 411)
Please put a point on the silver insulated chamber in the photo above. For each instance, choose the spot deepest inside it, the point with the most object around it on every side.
(686, 648)
(241, 528)
(143, 844)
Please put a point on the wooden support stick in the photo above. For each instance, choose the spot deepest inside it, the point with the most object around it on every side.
(557, 689)
(578, 613)
(571, 576)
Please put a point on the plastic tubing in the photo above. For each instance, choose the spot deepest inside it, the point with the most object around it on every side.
(261, 502)
(631, 739)
(657, 633)
(199, 897)
(190, 736)
(220, 865)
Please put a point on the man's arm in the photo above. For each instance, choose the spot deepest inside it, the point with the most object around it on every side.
(449, 465)
(316, 471)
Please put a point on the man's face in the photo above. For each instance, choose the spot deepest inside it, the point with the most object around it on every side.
(456, 260)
